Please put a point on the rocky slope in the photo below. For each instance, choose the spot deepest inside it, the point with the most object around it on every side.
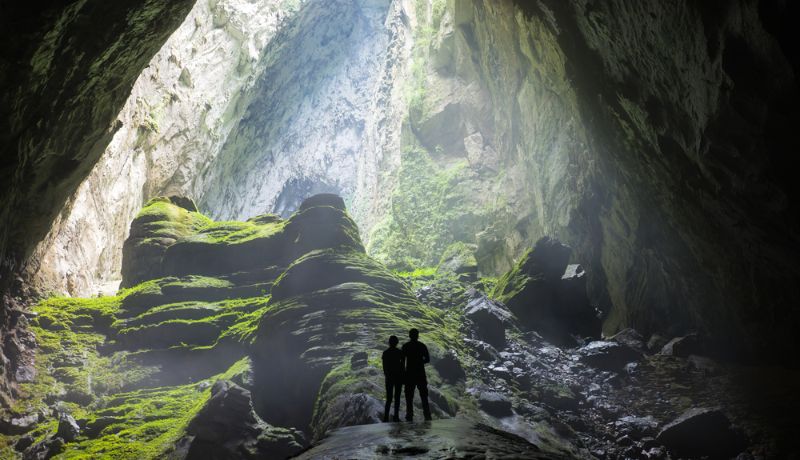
(262, 338)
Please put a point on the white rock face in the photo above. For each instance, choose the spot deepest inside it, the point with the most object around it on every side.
(181, 110)
(319, 114)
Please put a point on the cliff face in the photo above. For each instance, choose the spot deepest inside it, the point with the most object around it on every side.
(179, 113)
(67, 69)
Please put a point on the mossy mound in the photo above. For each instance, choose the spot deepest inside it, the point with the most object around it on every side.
(169, 240)
(349, 304)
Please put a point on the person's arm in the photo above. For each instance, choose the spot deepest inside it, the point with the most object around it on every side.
(383, 361)
(426, 358)
(403, 359)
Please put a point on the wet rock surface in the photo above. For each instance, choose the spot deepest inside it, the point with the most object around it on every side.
(437, 439)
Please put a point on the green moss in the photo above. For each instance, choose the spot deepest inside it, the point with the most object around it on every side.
(512, 282)
(428, 213)
(148, 422)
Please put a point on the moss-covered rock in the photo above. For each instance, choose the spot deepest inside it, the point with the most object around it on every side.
(537, 291)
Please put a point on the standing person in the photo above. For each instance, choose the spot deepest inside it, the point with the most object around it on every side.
(393, 371)
(416, 356)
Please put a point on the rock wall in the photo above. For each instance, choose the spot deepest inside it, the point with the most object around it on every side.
(66, 70)
(179, 113)
(321, 111)
(689, 107)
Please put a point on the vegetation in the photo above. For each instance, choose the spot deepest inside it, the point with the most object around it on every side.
(428, 213)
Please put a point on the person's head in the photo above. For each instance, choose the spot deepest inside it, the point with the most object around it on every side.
(393, 341)
(413, 334)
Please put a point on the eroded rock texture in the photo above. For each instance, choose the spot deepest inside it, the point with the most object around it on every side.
(180, 111)
(67, 69)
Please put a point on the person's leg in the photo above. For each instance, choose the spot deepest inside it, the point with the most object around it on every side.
(410, 401)
(397, 390)
(423, 395)
(389, 388)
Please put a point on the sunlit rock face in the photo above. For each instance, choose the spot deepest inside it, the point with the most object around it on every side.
(179, 113)
(318, 111)
(63, 82)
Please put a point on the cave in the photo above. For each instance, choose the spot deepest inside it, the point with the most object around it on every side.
(216, 212)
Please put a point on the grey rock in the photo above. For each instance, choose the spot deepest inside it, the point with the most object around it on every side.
(494, 403)
(637, 426)
(682, 347)
(489, 319)
(449, 367)
(606, 355)
(68, 428)
(631, 338)
(702, 432)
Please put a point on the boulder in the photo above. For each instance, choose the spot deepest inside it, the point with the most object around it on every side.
(684, 346)
(449, 367)
(227, 427)
(631, 338)
(489, 319)
(494, 403)
(19, 424)
(45, 449)
(637, 427)
(481, 350)
(68, 428)
(655, 343)
(702, 432)
(607, 355)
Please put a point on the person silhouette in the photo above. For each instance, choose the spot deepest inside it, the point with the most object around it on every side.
(393, 371)
(415, 356)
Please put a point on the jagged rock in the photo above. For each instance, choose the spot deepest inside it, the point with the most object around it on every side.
(68, 428)
(20, 424)
(494, 403)
(44, 449)
(227, 427)
(351, 408)
(548, 296)
(489, 319)
(358, 360)
(656, 343)
(449, 367)
(440, 404)
(606, 355)
(684, 346)
(637, 426)
(702, 432)
(482, 350)
(23, 443)
(631, 338)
